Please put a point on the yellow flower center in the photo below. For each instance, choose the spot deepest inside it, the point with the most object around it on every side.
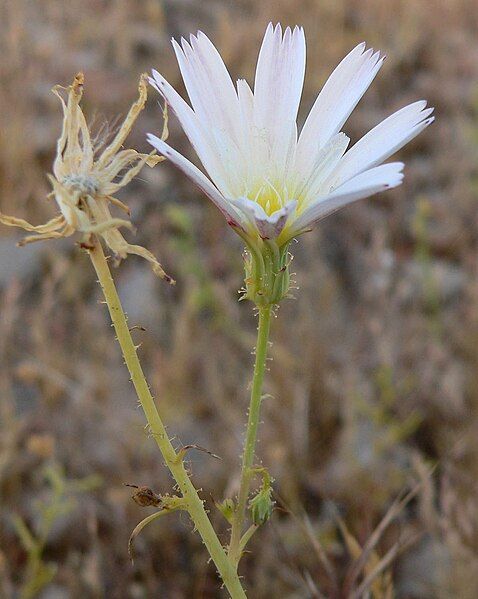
(271, 197)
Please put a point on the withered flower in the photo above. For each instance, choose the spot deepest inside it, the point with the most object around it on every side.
(86, 177)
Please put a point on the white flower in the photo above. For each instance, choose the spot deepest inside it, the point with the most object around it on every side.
(266, 179)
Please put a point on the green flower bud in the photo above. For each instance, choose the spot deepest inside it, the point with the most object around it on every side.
(261, 505)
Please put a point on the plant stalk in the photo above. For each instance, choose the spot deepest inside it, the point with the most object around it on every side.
(251, 433)
(193, 503)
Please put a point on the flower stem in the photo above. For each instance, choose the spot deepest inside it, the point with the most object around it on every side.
(251, 434)
(194, 504)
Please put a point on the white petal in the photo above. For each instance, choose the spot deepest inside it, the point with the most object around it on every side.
(215, 102)
(384, 140)
(277, 90)
(191, 171)
(326, 162)
(208, 83)
(364, 185)
(246, 105)
(339, 96)
(248, 164)
(268, 226)
(193, 128)
(187, 118)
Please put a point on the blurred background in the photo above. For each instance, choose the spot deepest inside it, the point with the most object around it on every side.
(374, 377)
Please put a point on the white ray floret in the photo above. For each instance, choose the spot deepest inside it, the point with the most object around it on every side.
(265, 179)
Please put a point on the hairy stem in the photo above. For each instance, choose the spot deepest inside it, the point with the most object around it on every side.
(193, 503)
(251, 434)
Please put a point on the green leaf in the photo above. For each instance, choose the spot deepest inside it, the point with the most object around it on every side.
(139, 527)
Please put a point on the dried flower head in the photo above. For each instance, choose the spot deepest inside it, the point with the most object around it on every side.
(86, 177)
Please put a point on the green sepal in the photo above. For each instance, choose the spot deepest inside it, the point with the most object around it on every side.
(227, 509)
(267, 275)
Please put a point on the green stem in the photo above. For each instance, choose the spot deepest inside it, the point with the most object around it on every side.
(193, 503)
(251, 434)
(246, 537)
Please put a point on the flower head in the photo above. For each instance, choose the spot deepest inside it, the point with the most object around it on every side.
(86, 177)
(268, 181)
